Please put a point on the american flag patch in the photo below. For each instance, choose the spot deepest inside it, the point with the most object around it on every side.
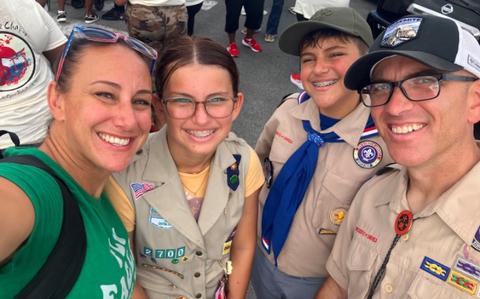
(138, 189)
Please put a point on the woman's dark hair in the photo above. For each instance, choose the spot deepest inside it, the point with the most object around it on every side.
(187, 50)
(74, 54)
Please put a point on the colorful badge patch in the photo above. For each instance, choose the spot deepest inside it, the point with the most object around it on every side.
(338, 215)
(401, 31)
(226, 247)
(463, 282)
(368, 154)
(467, 267)
(138, 189)
(157, 220)
(173, 253)
(435, 268)
(476, 240)
(17, 62)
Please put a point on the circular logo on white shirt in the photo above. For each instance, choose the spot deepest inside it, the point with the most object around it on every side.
(17, 61)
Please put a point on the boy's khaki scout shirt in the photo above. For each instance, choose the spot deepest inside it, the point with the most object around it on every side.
(175, 255)
(338, 176)
(438, 258)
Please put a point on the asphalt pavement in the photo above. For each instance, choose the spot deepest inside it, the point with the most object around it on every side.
(264, 77)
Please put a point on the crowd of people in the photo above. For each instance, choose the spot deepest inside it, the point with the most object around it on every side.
(362, 185)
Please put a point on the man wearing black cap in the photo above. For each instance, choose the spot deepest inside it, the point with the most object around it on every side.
(413, 231)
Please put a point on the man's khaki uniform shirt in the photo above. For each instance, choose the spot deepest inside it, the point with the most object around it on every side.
(336, 179)
(175, 255)
(435, 259)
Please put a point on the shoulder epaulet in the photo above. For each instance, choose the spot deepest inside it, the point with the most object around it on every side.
(387, 168)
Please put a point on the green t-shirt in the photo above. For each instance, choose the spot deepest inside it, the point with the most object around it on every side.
(108, 270)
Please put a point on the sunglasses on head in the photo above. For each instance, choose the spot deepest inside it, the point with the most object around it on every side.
(100, 35)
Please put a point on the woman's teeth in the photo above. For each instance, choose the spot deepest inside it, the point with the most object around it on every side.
(117, 141)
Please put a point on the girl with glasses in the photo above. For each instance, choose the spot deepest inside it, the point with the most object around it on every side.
(194, 186)
(100, 104)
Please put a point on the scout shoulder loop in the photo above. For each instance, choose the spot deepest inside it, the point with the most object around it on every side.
(233, 178)
(57, 276)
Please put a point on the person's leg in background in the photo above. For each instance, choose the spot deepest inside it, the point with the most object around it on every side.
(61, 14)
(90, 15)
(117, 12)
(233, 8)
(254, 10)
(192, 10)
(274, 20)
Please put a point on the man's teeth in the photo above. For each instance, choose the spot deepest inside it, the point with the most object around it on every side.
(406, 129)
(324, 83)
(203, 133)
(114, 140)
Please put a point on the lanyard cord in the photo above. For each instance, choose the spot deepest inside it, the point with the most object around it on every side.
(381, 272)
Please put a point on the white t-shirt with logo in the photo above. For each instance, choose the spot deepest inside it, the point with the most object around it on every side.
(26, 31)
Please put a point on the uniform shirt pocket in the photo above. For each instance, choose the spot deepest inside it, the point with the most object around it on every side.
(331, 203)
(360, 268)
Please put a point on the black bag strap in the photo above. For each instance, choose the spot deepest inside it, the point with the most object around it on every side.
(12, 135)
(57, 276)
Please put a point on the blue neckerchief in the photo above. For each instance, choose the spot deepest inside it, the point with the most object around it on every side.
(327, 121)
(289, 188)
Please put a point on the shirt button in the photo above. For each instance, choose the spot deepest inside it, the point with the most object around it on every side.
(405, 237)
(197, 274)
(199, 253)
(388, 288)
(198, 295)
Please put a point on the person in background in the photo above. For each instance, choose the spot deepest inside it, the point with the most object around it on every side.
(192, 191)
(318, 147)
(254, 16)
(156, 22)
(82, 148)
(273, 21)
(116, 13)
(90, 15)
(305, 9)
(413, 231)
(30, 43)
(193, 7)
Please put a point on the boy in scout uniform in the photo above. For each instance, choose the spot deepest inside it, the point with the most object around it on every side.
(413, 231)
(318, 148)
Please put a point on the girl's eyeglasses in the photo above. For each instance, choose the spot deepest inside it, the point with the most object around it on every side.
(100, 35)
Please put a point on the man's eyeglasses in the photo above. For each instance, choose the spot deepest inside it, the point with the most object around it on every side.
(183, 107)
(100, 35)
(418, 88)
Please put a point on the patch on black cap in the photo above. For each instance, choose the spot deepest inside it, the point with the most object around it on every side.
(401, 31)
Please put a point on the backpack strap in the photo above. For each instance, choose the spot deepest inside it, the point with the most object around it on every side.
(12, 135)
(57, 276)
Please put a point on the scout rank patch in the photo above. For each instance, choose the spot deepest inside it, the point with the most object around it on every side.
(140, 188)
(401, 31)
(337, 215)
(157, 220)
(368, 154)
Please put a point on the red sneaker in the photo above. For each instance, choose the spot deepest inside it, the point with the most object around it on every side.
(233, 49)
(252, 44)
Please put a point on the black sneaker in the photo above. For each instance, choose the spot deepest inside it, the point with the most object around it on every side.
(114, 14)
(91, 18)
(61, 16)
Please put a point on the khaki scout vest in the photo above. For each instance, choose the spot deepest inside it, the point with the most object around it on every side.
(176, 256)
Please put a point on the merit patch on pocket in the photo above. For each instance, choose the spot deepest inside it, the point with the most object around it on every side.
(435, 268)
